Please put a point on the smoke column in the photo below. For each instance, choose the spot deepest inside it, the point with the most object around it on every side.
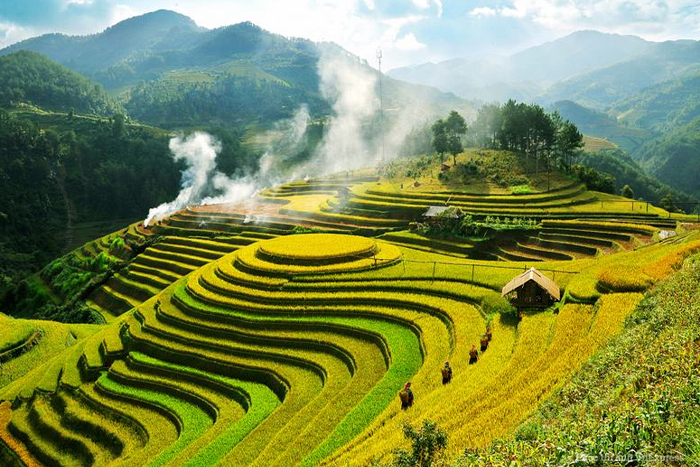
(351, 89)
(350, 141)
(201, 179)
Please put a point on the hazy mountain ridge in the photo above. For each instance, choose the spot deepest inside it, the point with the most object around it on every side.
(589, 67)
(603, 87)
(659, 126)
(664, 106)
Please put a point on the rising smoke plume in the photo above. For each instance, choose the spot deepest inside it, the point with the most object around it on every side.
(351, 88)
(201, 183)
(355, 138)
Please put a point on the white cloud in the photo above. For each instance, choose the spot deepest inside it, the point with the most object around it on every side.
(422, 4)
(483, 11)
(651, 19)
(440, 8)
(409, 43)
(427, 4)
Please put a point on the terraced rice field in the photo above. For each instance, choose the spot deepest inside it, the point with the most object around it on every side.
(233, 336)
(291, 350)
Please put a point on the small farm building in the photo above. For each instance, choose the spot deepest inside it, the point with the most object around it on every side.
(531, 289)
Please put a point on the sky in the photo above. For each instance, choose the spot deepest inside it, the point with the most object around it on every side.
(408, 31)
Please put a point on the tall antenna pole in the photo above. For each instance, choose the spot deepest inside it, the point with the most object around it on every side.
(381, 105)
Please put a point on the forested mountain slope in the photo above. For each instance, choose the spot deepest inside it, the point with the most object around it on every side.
(28, 77)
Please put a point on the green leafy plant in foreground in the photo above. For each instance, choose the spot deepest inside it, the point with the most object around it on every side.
(427, 445)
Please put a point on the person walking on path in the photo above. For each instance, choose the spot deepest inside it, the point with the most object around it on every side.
(406, 396)
(446, 373)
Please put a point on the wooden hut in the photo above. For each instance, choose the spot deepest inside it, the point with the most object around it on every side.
(531, 289)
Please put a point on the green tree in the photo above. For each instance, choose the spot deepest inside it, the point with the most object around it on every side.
(627, 192)
(569, 144)
(117, 125)
(668, 203)
(487, 126)
(456, 128)
(440, 140)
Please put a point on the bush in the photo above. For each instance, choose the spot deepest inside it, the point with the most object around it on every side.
(521, 189)
(427, 443)
(594, 180)
(494, 303)
(627, 192)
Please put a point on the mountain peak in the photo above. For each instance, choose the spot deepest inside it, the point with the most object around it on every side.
(162, 20)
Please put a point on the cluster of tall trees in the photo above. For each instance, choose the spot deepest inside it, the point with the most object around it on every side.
(447, 135)
(544, 138)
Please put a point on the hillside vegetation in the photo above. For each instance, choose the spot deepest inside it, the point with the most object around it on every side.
(30, 78)
(632, 401)
(58, 171)
(167, 71)
(279, 332)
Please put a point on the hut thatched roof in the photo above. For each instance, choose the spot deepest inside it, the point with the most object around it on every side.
(532, 275)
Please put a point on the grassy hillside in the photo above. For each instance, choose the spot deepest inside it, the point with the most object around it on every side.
(673, 157)
(592, 144)
(598, 124)
(633, 400)
(658, 127)
(29, 78)
(278, 332)
(60, 171)
(627, 172)
(662, 107)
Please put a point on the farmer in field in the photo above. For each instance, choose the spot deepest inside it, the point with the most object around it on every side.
(484, 343)
(473, 355)
(406, 396)
(446, 373)
(489, 332)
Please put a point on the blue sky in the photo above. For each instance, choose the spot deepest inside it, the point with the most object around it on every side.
(409, 31)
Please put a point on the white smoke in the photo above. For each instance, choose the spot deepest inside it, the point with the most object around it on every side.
(198, 151)
(286, 136)
(200, 178)
(352, 139)
(202, 184)
(352, 90)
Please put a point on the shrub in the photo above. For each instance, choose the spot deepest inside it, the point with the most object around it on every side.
(494, 303)
(594, 180)
(521, 189)
(427, 443)
(627, 192)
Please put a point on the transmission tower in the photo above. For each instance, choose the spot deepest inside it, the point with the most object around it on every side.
(381, 105)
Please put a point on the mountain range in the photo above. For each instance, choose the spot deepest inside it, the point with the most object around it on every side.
(167, 71)
(590, 67)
